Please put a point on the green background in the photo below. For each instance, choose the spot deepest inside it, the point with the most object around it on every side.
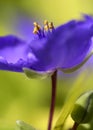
(20, 97)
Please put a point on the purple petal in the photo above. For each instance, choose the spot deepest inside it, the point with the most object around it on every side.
(77, 44)
(24, 27)
(12, 48)
(13, 54)
(65, 48)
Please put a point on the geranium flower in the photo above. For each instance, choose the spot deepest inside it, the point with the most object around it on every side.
(64, 47)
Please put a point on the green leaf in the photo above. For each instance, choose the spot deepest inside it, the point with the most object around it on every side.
(83, 108)
(79, 87)
(87, 126)
(37, 74)
(20, 125)
(84, 127)
(70, 70)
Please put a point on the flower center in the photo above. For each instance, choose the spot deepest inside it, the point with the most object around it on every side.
(42, 32)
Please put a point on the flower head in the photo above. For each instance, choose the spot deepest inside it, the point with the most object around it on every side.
(52, 48)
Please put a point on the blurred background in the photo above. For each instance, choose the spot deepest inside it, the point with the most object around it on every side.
(21, 98)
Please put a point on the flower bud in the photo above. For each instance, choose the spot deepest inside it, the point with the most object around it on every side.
(83, 108)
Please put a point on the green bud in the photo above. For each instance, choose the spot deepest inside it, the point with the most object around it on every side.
(20, 125)
(83, 108)
(37, 74)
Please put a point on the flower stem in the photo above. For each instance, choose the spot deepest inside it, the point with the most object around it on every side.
(75, 126)
(54, 81)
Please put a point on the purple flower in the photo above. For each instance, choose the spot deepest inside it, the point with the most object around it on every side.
(63, 47)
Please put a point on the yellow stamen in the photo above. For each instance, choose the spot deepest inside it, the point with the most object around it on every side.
(35, 31)
(51, 26)
(45, 22)
(46, 27)
(37, 28)
(35, 24)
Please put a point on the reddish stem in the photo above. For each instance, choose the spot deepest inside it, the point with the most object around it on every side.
(75, 126)
(54, 81)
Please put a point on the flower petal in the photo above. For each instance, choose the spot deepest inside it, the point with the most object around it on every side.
(23, 26)
(77, 44)
(13, 54)
(66, 47)
(70, 70)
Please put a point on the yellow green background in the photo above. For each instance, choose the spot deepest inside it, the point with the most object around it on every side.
(20, 97)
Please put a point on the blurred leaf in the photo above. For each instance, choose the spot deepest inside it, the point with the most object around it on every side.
(23, 126)
(88, 126)
(84, 127)
(78, 88)
(83, 108)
